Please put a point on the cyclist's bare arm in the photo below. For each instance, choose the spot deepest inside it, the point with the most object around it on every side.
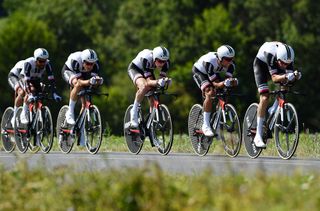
(218, 85)
(151, 82)
(83, 83)
(279, 78)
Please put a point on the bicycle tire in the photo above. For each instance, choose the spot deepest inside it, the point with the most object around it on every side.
(65, 139)
(20, 133)
(248, 131)
(161, 132)
(46, 140)
(230, 131)
(200, 143)
(7, 137)
(93, 130)
(133, 140)
(287, 131)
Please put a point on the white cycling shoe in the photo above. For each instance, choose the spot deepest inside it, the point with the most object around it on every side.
(259, 142)
(24, 118)
(134, 123)
(133, 120)
(70, 118)
(12, 121)
(207, 131)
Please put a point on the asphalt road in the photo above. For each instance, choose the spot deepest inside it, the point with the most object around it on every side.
(189, 164)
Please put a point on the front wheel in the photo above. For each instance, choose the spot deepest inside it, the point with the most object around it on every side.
(249, 131)
(45, 130)
(286, 131)
(21, 133)
(7, 131)
(65, 136)
(132, 136)
(230, 131)
(93, 130)
(161, 130)
(200, 143)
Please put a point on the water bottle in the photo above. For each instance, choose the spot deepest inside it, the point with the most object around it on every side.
(273, 108)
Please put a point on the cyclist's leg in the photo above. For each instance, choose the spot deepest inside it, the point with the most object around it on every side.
(19, 94)
(70, 77)
(25, 107)
(261, 75)
(207, 90)
(140, 82)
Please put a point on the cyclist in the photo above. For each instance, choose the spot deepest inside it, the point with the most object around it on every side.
(31, 78)
(274, 61)
(13, 80)
(80, 70)
(141, 72)
(207, 73)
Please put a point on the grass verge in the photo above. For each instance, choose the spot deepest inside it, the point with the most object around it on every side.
(150, 188)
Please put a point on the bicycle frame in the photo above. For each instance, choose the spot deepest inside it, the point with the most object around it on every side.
(221, 107)
(154, 113)
(222, 101)
(80, 120)
(34, 115)
(280, 98)
(84, 111)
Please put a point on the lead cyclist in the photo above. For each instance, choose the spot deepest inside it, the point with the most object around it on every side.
(274, 61)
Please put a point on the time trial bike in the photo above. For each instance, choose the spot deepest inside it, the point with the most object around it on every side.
(38, 132)
(225, 124)
(281, 119)
(156, 124)
(88, 125)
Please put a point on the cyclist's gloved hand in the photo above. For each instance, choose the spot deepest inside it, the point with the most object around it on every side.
(298, 75)
(169, 81)
(99, 80)
(56, 97)
(31, 98)
(162, 82)
(235, 82)
(227, 82)
(290, 77)
(93, 80)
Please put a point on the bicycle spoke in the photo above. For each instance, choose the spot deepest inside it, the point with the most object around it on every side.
(287, 132)
(230, 131)
(200, 143)
(7, 132)
(161, 131)
(132, 136)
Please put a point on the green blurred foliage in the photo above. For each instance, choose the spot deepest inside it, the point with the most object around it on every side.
(118, 30)
(150, 188)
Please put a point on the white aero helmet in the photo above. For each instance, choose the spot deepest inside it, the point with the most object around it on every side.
(285, 53)
(89, 55)
(41, 53)
(161, 53)
(225, 51)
